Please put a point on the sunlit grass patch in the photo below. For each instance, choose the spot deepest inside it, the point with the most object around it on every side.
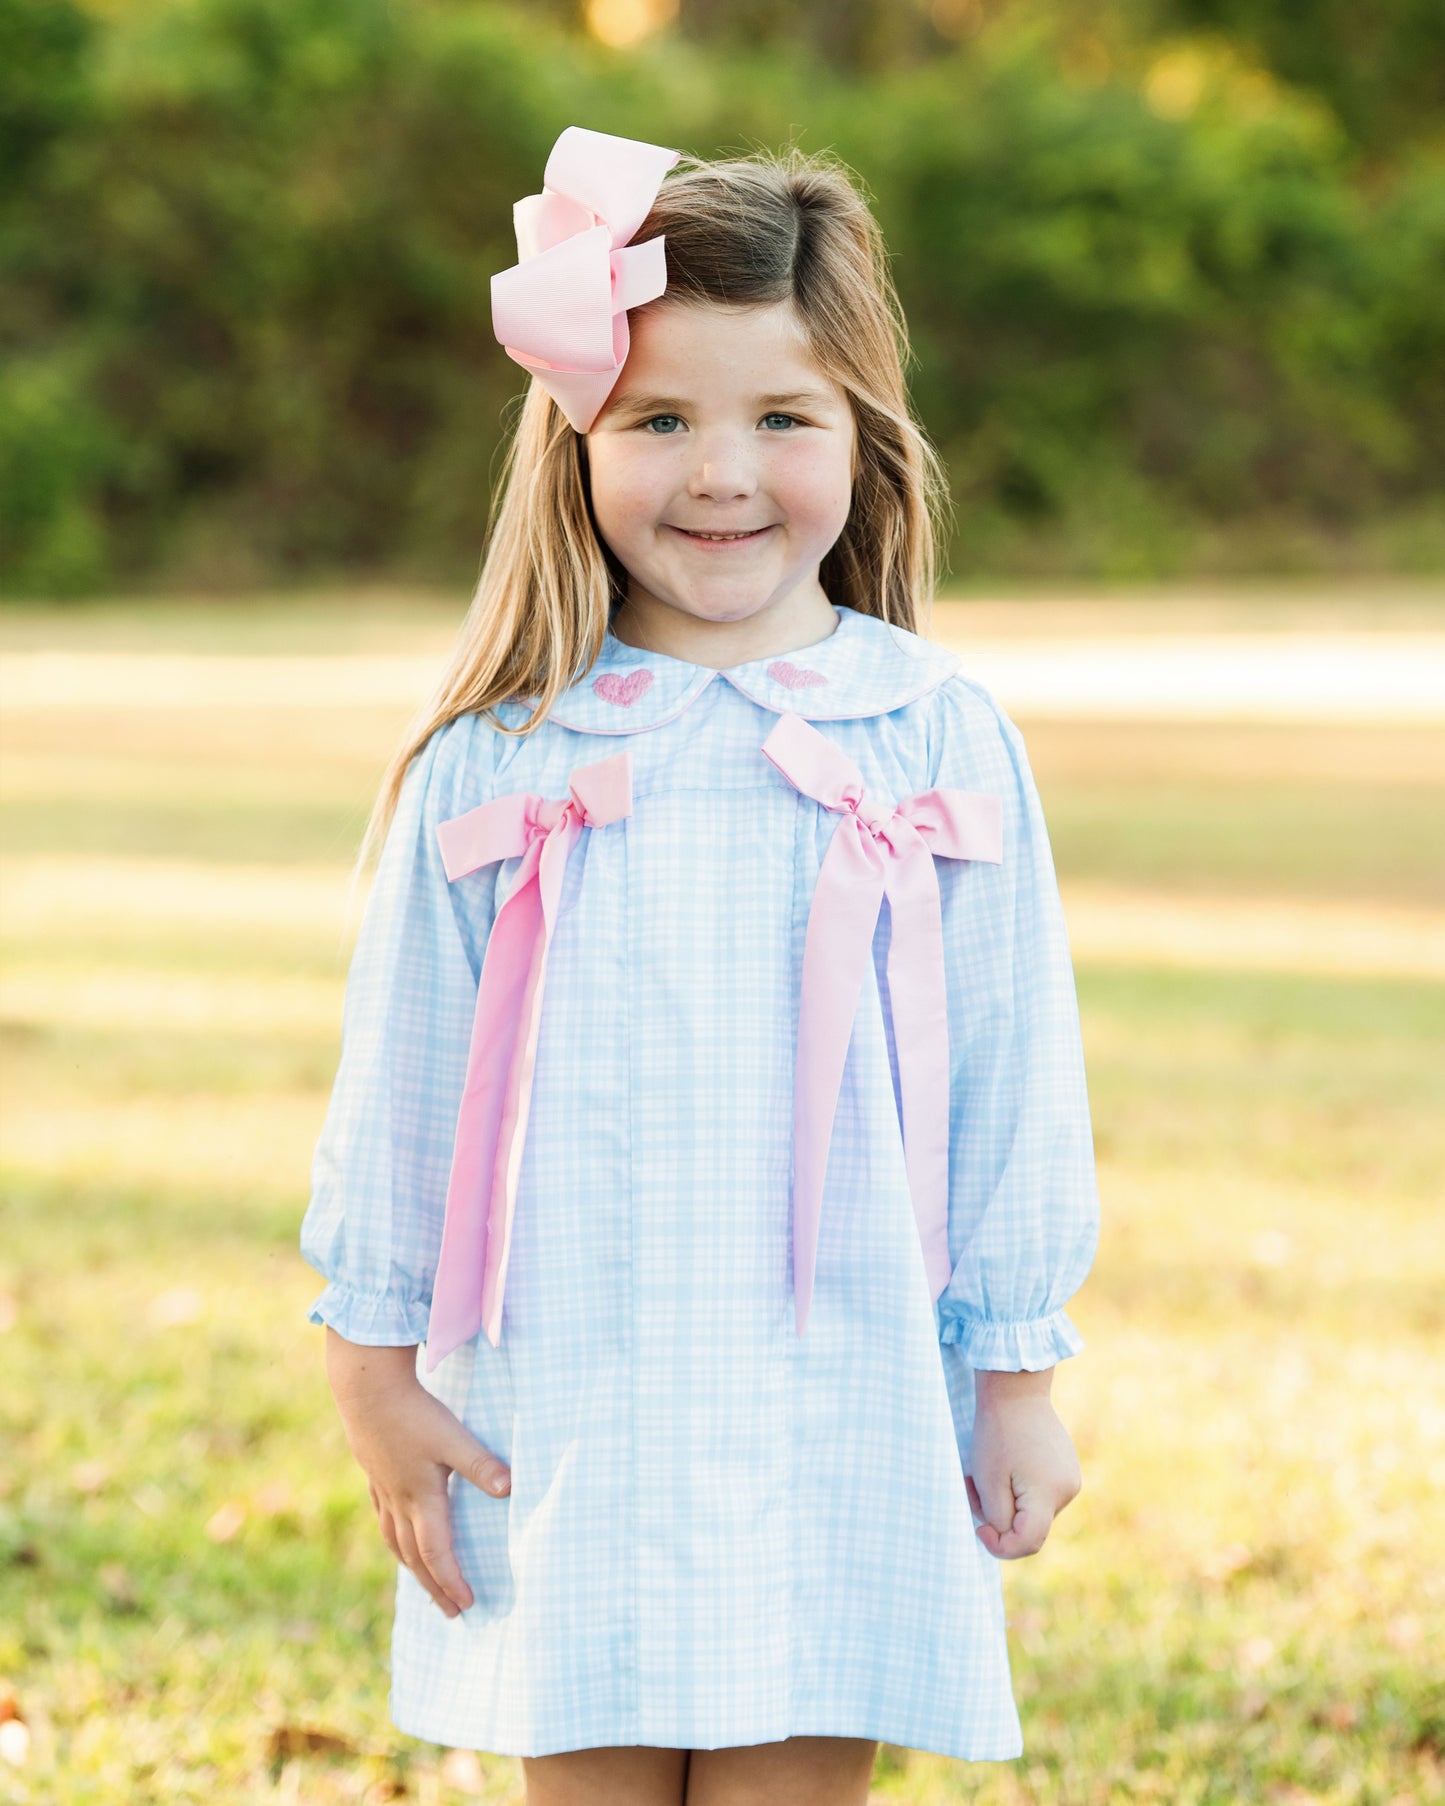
(222, 828)
(253, 747)
(1287, 1259)
(1273, 1077)
(1303, 840)
(220, 1144)
(1131, 925)
(143, 999)
(1137, 755)
(50, 895)
(185, 1564)
(1261, 1622)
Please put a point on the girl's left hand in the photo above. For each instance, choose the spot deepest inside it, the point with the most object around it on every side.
(1024, 1466)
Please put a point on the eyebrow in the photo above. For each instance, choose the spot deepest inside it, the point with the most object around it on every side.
(666, 404)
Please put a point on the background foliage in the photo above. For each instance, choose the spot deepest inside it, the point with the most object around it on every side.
(1172, 266)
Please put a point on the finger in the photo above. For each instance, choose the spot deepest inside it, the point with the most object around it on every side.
(411, 1556)
(418, 1568)
(983, 1530)
(996, 1499)
(388, 1529)
(469, 1458)
(1026, 1534)
(434, 1545)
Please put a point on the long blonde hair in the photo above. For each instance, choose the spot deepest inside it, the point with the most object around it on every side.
(768, 227)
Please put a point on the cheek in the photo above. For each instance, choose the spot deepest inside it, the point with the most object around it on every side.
(624, 494)
(816, 487)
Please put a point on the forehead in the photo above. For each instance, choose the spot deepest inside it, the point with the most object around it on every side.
(712, 352)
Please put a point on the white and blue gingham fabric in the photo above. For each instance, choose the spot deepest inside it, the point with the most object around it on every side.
(718, 1533)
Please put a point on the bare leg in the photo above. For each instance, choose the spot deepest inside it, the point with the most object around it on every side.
(624, 1775)
(803, 1771)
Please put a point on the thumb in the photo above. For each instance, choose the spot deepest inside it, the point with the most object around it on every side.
(469, 1458)
(1030, 1526)
(993, 1490)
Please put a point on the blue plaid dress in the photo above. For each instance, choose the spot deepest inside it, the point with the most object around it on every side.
(718, 1532)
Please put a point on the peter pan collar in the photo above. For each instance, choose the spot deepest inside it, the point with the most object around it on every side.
(866, 666)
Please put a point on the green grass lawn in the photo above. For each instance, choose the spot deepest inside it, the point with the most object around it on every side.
(1245, 1602)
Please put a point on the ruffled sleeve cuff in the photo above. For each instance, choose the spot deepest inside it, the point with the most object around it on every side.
(372, 1319)
(1023, 1347)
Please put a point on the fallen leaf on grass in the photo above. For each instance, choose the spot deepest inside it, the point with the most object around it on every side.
(1404, 1632)
(89, 1476)
(1271, 1248)
(289, 1740)
(119, 1587)
(226, 1522)
(15, 1742)
(1223, 1564)
(272, 1499)
(173, 1309)
(1029, 1628)
(462, 1770)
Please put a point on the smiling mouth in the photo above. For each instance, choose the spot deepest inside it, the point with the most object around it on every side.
(722, 539)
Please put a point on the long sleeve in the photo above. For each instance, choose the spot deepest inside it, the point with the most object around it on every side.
(1023, 1200)
(379, 1176)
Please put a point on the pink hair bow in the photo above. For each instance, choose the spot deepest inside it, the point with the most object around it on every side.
(492, 1120)
(561, 311)
(876, 850)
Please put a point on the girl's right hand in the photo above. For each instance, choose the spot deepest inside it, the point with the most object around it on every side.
(407, 1442)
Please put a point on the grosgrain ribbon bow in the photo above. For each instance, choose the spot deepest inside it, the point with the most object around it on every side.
(492, 1120)
(561, 312)
(876, 851)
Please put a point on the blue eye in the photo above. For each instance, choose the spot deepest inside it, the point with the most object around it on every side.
(656, 417)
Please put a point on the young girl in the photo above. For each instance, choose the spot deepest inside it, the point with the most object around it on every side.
(711, 1101)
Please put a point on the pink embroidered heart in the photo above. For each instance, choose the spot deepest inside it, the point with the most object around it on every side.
(624, 691)
(796, 677)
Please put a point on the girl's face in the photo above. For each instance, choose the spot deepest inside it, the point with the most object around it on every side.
(720, 423)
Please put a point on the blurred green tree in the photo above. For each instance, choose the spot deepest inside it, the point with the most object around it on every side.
(244, 275)
(1381, 67)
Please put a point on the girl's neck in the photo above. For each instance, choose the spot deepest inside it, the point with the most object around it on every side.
(790, 625)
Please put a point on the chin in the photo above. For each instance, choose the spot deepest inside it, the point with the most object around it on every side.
(744, 612)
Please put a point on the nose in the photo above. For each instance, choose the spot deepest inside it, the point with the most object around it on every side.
(725, 469)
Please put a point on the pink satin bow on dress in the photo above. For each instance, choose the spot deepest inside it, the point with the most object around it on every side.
(876, 850)
(492, 1120)
(561, 312)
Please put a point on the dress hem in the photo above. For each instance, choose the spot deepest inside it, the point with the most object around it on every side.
(880, 1729)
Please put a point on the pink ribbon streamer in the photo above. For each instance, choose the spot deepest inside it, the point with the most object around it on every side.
(492, 1120)
(876, 851)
